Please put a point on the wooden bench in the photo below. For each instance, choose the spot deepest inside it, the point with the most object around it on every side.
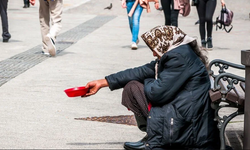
(227, 90)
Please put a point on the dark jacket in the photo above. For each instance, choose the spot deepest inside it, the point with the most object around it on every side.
(181, 116)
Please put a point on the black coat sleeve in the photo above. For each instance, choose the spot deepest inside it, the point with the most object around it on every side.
(169, 82)
(120, 79)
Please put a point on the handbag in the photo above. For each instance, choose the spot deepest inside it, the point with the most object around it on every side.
(224, 20)
(195, 3)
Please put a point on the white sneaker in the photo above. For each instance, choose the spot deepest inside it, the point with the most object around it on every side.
(46, 54)
(51, 45)
(134, 46)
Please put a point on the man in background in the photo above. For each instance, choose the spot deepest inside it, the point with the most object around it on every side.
(5, 27)
(50, 12)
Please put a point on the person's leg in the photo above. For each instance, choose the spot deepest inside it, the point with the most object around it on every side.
(211, 5)
(174, 15)
(129, 6)
(201, 9)
(26, 3)
(136, 23)
(4, 17)
(44, 17)
(56, 9)
(167, 11)
(134, 99)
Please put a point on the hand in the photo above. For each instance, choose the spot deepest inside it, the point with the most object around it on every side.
(157, 5)
(94, 86)
(222, 3)
(124, 5)
(32, 2)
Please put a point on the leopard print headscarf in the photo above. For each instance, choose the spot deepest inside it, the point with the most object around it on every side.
(162, 39)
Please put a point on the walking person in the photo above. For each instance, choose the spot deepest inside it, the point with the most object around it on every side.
(134, 20)
(26, 3)
(169, 96)
(170, 14)
(4, 17)
(205, 9)
(50, 16)
(172, 9)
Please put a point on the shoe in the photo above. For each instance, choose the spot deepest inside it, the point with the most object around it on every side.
(6, 40)
(209, 43)
(46, 54)
(140, 145)
(134, 46)
(25, 6)
(203, 44)
(51, 45)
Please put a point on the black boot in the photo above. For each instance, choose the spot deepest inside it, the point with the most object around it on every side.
(209, 43)
(25, 6)
(141, 123)
(140, 145)
(203, 43)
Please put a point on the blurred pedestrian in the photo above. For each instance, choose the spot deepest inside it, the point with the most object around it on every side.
(169, 96)
(50, 15)
(4, 17)
(26, 3)
(134, 20)
(205, 9)
(170, 14)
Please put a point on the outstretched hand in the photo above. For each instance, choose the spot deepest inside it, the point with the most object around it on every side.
(94, 86)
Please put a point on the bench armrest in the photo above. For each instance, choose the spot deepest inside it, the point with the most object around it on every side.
(229, 87)
(223, 65)
(231, 79)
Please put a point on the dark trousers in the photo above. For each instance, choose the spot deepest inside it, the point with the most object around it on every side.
(4, 18)
(26, 2)
(134, 99)
(171, 15)
(205, 11)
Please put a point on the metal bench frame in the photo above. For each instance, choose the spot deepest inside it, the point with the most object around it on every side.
(226, 92)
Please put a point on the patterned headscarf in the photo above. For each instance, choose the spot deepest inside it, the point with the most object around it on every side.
(162, 39)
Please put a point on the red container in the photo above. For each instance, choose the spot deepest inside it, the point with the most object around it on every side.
(76, 91)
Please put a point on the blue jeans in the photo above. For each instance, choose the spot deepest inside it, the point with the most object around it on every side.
(134, 21)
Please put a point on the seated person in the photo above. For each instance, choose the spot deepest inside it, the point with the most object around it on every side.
(168, 96)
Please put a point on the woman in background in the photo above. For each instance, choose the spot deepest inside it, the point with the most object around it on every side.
(205, 9)
(171, 15)
(134, 20)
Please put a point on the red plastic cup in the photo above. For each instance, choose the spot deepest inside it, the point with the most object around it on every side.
(76, 91)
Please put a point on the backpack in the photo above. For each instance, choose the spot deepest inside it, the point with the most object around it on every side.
(225, 19)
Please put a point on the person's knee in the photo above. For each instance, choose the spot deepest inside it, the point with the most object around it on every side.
(208, 19)
(130, 85)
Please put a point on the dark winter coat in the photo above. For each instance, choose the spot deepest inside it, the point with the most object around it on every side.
(181, 116)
